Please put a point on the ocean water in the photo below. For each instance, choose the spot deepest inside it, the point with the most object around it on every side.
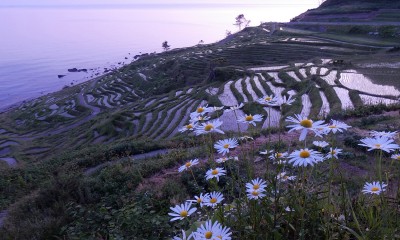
(38, 43)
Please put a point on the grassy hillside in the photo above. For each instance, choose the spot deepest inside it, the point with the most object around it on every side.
(356, 11)
(72, 163)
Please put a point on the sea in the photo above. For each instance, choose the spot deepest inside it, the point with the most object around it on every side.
(39, 43)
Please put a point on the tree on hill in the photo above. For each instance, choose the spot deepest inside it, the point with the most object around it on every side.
(165, 46)
(241, 21)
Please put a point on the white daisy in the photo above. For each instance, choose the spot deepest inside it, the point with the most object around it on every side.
(234, 108)
(269, 100)
(333, 153)
(255, 194)
(195, 118)
(305, 157)
(304, 124)
(278, 156)
(321, 144)
(224, 159)
(224, 234)
(388, 134)
(379, 143)
(336, 126)
(395, 157)
(256, 184)
(200, 199)
(209, 127)
(215, 173)
(283, 177)
(203, 110)
(213, 231)
(374, 188)
(181, 211)
(284, 101)
(250, 119)
(190, 127)
(188, 165)
(213, 199)
(223, 146)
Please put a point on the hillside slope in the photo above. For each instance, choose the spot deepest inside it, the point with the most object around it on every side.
(353, 11)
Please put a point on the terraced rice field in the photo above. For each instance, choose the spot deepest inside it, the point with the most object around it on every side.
(154, 97)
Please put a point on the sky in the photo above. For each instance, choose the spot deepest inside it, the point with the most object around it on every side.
(311, 3)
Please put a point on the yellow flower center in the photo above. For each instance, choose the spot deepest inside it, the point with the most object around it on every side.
(249, 118)
(189, 126)
(398, 157)
(208, 127)
(374, 189)
(254, 193)
(333, 152)
(304, 154)
(199, 200)
(208, 235)
(256, 186)
(184, 213)
(226, 146)
(200, 110)
(332, 126)
(268, 99)
(220, 237)
(306, 123)
(285, 177)
(378, 146)
(213, 200)
(188, 164)
(214, 172)
(278, 155)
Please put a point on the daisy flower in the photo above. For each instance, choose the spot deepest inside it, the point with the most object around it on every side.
(379, 143)
(395, 157)
(203, 110)
(305, 157)
(213, 231)
(304, 124)
(213, 199)
(336, 126)
(284, 101)
(333, 153)
(268, 100)
(234, 108)
(374, 188)
(209, 127)
(215, 173)
(224, 234)
(200, 199)
(277, 156)
(282, 177)
(188, 165)
(384, 134)
(250, 119)
(224, 159)
(256, 184)
(195, 118)
(190, 127)
(181, 211)
(255, 194)
(321, 144)
(223, 146)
